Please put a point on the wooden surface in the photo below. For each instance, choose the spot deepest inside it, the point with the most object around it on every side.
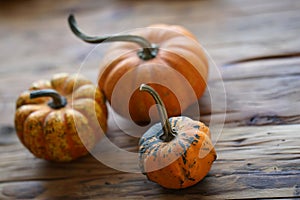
(259, 147)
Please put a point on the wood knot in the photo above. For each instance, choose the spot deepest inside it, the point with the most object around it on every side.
(264, 119)
(7, 135)
(297, 190)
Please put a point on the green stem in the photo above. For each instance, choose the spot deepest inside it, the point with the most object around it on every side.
(168, 133)
(147, 52)
(57, 101)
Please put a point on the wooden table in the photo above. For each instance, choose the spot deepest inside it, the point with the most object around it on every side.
(259, 146)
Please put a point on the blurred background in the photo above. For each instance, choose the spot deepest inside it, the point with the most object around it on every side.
(35, 40)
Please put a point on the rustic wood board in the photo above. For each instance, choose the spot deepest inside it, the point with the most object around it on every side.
(253, 162)
(259, 147)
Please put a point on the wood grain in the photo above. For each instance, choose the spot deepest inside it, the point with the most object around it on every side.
(256, 93)
(253, 162)
(256, 100)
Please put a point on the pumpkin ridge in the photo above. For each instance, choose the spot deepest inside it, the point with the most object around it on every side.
(165, 92)
(166, 43)
(41, 121)
(144, 98)
(183, 51)
(108, 68)
(46, 144)
(57, 81)
(69, 140)
(84, 98)
(190, 75)
(73, 82)
(97, 117)
(19, 127)
(41, 84)
(86, 114)
(97, 97)
(114, 72)
(170, 62)
(80, 87)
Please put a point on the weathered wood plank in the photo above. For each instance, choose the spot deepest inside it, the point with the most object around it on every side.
(256, 93)
(253, 162)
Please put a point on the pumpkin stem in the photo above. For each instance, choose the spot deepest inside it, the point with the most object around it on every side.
(57, 101)
(148, 52)
(169, 134)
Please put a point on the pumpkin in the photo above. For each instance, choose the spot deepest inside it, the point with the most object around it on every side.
(61, 119)
(176, 153)
(168, 57)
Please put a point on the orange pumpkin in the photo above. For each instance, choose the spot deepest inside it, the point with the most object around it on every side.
(62, 118)
(168, 57)
(176, 153)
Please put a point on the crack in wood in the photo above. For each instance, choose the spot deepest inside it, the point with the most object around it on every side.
(265, 57)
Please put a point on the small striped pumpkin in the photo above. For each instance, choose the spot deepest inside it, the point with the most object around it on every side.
(176, 153)
(62, 118)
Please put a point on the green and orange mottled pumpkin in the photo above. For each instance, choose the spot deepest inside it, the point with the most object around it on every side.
(176, 153)
(62, 118)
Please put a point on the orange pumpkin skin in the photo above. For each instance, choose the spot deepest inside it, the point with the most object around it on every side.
(66, 133)
(180, 64)
(183, 161)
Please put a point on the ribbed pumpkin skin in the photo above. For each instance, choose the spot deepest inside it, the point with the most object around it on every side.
(182, 162)
(179, 54)
(53, 134)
